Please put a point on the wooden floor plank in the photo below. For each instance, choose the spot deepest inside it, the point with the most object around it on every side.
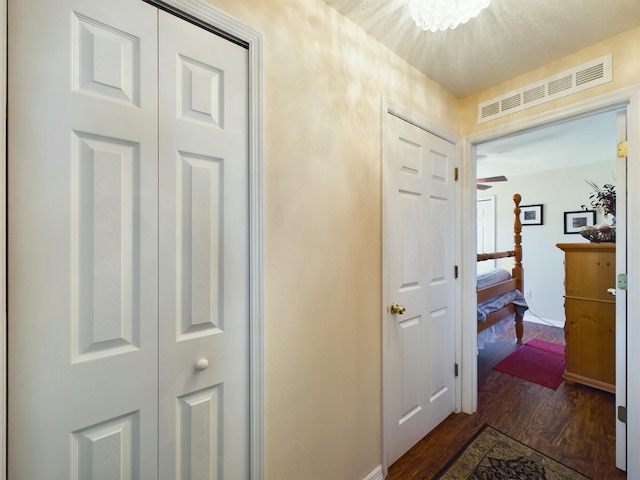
(573, 424)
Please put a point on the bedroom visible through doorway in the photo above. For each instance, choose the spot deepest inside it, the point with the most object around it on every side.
(549, 166)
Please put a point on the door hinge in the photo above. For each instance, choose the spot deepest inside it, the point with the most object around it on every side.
(456, 174)
(455, 370)
(455, 271)
(622, 281)
(622, 414)
(622, 149)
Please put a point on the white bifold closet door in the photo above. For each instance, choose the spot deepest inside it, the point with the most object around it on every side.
(128, 245)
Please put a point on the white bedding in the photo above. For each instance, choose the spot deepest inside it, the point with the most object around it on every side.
(494, 304)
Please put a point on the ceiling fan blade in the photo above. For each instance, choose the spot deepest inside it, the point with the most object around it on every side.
(481, 186)
(500, 178)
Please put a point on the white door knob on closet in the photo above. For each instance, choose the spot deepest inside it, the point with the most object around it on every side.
(202, 364)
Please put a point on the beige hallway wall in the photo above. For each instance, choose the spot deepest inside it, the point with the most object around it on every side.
(324, 84)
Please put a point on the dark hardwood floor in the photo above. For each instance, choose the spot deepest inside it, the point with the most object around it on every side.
(573, 424)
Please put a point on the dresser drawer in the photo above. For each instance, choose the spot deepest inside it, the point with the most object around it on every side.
(589, 274)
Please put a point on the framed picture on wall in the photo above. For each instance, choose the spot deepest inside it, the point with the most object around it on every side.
(574, 220)
(531, 214)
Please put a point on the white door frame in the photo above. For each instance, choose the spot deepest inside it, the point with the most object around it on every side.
(223, 23)
(3, 238)
(389, 107)
(621, 295)
(629, 98)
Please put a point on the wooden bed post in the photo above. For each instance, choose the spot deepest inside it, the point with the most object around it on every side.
(517, 242)
(517, 271)
(516, 282)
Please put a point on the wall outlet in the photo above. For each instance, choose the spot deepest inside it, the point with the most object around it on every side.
(527, 294)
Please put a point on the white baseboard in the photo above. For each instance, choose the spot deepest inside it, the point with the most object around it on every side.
(376, 474)
(530, 317)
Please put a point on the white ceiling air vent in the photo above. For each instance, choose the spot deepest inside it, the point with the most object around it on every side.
(595, 72)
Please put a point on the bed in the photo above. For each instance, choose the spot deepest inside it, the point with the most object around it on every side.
(500, 292)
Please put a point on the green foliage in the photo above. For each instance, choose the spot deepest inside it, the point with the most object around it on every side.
(603, 199)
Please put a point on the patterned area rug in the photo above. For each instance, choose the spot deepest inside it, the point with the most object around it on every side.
(492, 455)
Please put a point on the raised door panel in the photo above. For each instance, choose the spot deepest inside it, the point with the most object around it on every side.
(200, 434)
(105, 246)
(108, 449)
(199, 197)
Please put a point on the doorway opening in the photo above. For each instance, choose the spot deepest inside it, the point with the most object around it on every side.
(526, 156)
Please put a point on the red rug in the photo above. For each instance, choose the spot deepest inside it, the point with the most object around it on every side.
(537, 361)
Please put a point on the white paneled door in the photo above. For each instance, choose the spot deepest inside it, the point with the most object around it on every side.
(128, 254)
(486, 229)
(419, 257)
(486, 223)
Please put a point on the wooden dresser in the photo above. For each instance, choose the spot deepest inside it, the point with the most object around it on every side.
(590, 335)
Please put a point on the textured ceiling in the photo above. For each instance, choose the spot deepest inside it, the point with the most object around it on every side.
(508, 38)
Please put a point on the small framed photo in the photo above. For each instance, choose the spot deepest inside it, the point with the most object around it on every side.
(574, 220)
(531, 214)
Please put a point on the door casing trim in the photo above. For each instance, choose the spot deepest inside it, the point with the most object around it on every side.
(3, 238)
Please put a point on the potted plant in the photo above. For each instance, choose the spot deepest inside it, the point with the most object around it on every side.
(603, 200)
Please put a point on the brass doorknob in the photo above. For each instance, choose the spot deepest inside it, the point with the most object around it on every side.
(395, 308)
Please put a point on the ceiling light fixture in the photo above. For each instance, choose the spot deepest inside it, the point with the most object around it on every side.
(434, 15)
